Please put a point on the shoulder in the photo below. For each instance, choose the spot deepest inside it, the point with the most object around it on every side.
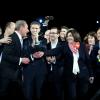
(82, 45)
(13, 36)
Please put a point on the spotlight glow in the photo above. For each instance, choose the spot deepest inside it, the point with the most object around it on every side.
(40, 20)
(97, 21)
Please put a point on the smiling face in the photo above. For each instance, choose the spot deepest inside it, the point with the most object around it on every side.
(35, 29)
(53, 34)
(63, 33)
(47, 35)
(70, 38)
(91, 40)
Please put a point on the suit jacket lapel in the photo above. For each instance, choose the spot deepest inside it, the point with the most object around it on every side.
(49, 46)
(58, 44)
(18, 42)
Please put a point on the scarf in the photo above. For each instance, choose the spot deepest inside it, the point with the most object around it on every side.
(74, 47)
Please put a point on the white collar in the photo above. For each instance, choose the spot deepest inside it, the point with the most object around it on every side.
(19, 35)
(54, 44)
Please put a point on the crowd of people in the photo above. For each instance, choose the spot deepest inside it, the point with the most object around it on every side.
(56, 65)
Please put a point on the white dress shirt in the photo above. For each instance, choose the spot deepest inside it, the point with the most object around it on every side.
(54, 44)
(76, 69)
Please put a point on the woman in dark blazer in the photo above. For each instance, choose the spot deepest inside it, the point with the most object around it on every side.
(90, 40)
(77, 70)
(34, 73)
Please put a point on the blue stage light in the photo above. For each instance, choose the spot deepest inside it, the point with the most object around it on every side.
(40, 20)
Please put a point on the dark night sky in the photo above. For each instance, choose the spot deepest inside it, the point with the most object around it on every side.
(83, 24)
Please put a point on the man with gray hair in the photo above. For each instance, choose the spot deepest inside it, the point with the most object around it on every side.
(12, 59)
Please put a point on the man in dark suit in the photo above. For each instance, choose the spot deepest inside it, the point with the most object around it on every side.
(10, 68)
(55, 68)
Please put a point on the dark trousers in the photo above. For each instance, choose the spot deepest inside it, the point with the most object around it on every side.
(33, 87)
(95, 92)
(10, 89)
(33, 81)
(76, 88)
(54, 82)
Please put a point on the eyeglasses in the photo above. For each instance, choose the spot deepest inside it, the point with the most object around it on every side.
(53, 33)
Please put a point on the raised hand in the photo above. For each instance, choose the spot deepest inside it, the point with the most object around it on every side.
(6, 40)
(38, 54)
